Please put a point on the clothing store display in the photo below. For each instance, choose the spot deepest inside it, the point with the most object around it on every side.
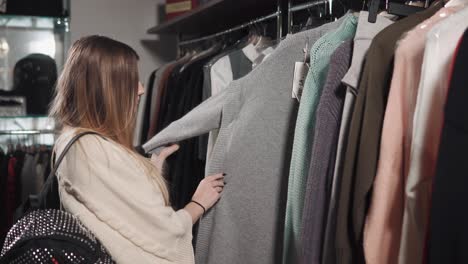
(96, 182)
(3, 197)
(158, 90)
(255, 116)
(41, 168)
(447, 227)
(362, 149)
(11, 186)
(157, 84)
(161, 93)
(320, 54)
(329, 143)
(365, 32)
(185, 177)
(384, 221)
(427, 123)
(19, 178)
(340, 140)
(28, 177)
(43, 232)
(224, 69)
(323, 155)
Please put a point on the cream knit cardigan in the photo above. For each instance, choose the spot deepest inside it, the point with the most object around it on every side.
(107, 189)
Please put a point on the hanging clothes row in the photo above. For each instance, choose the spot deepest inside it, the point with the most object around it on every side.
(330, 143)
(23, 171)
(178, 87)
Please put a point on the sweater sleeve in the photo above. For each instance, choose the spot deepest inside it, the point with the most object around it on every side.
(202, 119)
(100, 177)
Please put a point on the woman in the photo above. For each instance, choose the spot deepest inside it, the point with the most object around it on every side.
(117, 194)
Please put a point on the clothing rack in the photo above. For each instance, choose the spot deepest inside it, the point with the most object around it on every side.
(276, 15)
(300, 7)
(306, 5)
(284, 13)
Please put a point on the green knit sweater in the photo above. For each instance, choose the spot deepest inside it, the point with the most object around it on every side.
(320, 54)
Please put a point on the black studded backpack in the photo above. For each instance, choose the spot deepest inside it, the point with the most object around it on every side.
(46, 234)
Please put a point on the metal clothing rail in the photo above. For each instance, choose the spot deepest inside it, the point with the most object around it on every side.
(276, 14)
(307, 5)
(27, 132)
(296, 8)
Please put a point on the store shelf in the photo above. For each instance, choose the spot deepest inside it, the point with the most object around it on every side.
(215, 16)
(24, 117)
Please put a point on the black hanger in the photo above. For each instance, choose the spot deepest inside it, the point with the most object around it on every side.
(393, 8)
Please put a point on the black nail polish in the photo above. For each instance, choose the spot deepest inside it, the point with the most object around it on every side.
(224, 174)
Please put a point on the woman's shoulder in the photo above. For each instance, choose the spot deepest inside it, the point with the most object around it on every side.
(88, 143)
(96, 150)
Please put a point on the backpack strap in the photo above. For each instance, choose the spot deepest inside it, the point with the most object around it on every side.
(66, 149)
(48, 197)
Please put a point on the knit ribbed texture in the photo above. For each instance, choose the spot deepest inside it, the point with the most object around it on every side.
(365, 32)
(109, 191)
(322, 162)
(256, 118)
(320, 54)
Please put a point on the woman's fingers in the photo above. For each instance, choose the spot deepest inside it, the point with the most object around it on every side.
(218, 183)
(215, 177)
(167, 151)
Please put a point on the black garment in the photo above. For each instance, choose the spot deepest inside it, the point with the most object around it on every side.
(184, 92)
(240, 64)
(147, 109)
(448, 229)
(19, 155)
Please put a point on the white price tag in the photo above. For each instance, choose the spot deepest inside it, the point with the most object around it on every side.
(300, 73)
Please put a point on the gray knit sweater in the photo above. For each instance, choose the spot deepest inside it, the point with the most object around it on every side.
(256, 119)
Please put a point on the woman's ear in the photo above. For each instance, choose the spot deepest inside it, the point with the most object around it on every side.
(141, 89)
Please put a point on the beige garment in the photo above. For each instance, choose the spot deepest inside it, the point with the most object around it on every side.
(107, 189)
(383, 226)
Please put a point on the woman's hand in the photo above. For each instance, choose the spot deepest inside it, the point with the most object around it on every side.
(158, 160)
(207, 194)
(209, 190)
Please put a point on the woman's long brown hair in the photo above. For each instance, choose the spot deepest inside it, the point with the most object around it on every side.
(98, 88)
(98, 91)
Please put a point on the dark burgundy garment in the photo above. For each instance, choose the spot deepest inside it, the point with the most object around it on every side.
(3, 188)
(448, 227)
(11, 198)
(161, 88)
